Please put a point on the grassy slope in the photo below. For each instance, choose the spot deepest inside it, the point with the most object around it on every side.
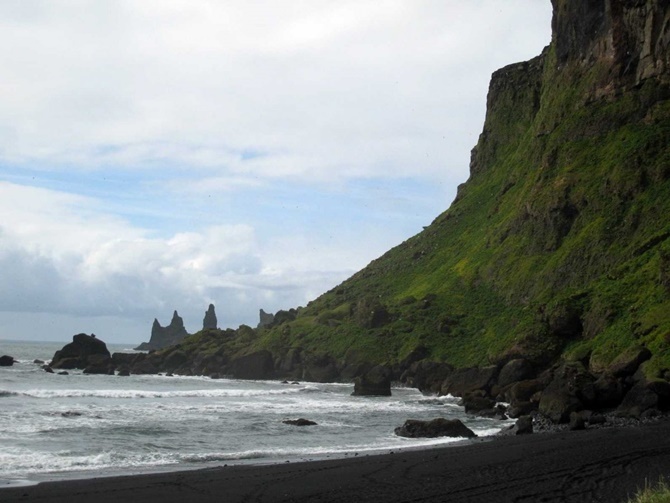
(565, 216)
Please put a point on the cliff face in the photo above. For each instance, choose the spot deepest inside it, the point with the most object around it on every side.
(629, 37)
(557, 244)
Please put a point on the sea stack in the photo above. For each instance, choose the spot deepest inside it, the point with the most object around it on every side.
(210, 318)
(162, 337)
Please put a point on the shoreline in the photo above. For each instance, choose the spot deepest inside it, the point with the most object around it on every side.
(607, 464)
(148, 470)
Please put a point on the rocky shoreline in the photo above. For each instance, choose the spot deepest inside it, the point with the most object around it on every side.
(567, 395)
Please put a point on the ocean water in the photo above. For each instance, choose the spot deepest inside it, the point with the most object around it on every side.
(75, 426)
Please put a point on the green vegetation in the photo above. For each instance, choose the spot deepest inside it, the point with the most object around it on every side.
(558, 244)
(657, 494)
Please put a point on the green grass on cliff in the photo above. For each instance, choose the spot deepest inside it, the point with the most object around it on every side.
(566, 211)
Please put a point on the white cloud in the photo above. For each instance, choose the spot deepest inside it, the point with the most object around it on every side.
(169, 137)
(326, 89)
(62, 254)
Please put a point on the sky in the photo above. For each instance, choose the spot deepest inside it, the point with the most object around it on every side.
(162, 155)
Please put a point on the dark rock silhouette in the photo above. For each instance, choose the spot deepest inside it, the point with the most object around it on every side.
(439, 427)
(6, 361)
(299, 422)
(162, 337)
(84, 352)
(210, 318)
(266, 319)
(376, 382)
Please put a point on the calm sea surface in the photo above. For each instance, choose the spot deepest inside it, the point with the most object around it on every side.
(74, 426)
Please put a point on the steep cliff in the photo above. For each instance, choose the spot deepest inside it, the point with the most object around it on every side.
(557, 245)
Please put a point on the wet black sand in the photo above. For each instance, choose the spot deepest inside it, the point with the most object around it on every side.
(608, 464)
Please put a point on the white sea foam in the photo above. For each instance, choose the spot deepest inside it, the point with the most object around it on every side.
(121, 393)
(62, 424)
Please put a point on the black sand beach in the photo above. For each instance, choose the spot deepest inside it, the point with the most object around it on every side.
(608, 464)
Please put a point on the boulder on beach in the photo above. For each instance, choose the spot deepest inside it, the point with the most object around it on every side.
(440, 427)
(6, 361)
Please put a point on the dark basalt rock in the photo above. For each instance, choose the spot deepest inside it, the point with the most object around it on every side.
(84, 351)
(209, 320)
(299, 422)
(640, 399)
(427, 376)
(571, 388)
(629, 361)
(514, 371)
(320, 368)
(576, 422)
(257, 365)
(523, 426)
(609, 391)
(482, 406)
(440, 427)
(376, 382)
(265, 319)
(466, 380)
(6, 361)
(162, 337)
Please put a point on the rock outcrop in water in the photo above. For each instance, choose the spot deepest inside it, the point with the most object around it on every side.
(6, 361)
(85, 352)
(162, 337)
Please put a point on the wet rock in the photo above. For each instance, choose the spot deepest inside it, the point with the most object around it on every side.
(609, 391)
(519, 409)
(440, 427)
(523, 426)
(299, 422)
(376, 382)
(174, 360)
(71, 413)
(570, 388)
(576, 422)
(320, 368)
(629, 361)
(98, 364)
(482, 406)
(462, 381)
(639, 399)
(37, 361)
(84, 351)
(47, 369)
(257, 365)
(6, 361)
(514, 371)
(426, 375)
